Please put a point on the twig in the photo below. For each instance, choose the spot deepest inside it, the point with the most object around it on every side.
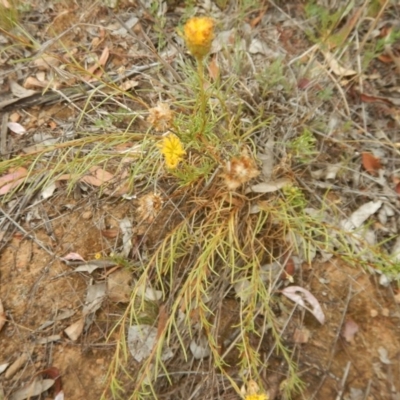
(367, 390)
(148, 46)
(334, 343)
(28, 235)
(3, 136)
(342, 383)
(373, 26)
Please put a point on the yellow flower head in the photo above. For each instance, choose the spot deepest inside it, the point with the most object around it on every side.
(256, 397)
(253, 392)
(199, 34)
(173, 151)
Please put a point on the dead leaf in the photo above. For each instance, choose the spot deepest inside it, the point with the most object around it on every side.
(59, 396)
(141, 341)
(336, 68)
(20, 92)
(243, 289)
(358, 217)
(96, 69)
(271, 186)
(301, 335)
(15, 117)
(200, 348)
(255, 21)
(17, 365)
(46, 62)
(34, 388)
(350, 328)
(12, 180)
(97, 177)
(127, 85)
(32, 82)
(73, 257)
(92, 265)
(384, 355)
(366, 98)
(48, 339)
(75, 329)
(110, 233)
(16, 128)
(118, 286)
(292, 293)
(371, 163)
(148, 293)
(95, 295)
(48, 191)
(53, 373)
(127, 232)
(3, 367)
(397, 297)
(3, 317)
(213, 69)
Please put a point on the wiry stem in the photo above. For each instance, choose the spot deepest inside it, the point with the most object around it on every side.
(203, 99)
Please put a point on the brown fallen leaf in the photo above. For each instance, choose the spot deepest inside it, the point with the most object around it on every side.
(32, 82)
(335, 66)
(32, 389)
(95, 71)
(397, 297)
(12, 180)
(46, 62)
(17, 365)
(75, 330)
(255, 21)
(118, 286)
(367, 98)
(110, 233)
(213, 69)
(371, 163)
(54, 373)
(301, 335)
(97, 177)
(3, 318)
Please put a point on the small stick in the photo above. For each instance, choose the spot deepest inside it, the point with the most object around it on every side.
(3, 137)
(349, 294)
(342, 383)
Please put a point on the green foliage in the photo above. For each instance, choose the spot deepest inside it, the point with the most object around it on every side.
(303, 147)
(9, 15)
(324, 20)
(272, 76)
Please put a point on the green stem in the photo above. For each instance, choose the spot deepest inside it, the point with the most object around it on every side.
(203, 99)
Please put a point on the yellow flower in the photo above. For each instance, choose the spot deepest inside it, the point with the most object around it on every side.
(199, 34)
(253, 392)
(173, 151)
(256, 397)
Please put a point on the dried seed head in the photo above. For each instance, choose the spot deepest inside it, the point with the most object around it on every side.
(199, 34)
(160, 117)
(149, 206)
(238, 171)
